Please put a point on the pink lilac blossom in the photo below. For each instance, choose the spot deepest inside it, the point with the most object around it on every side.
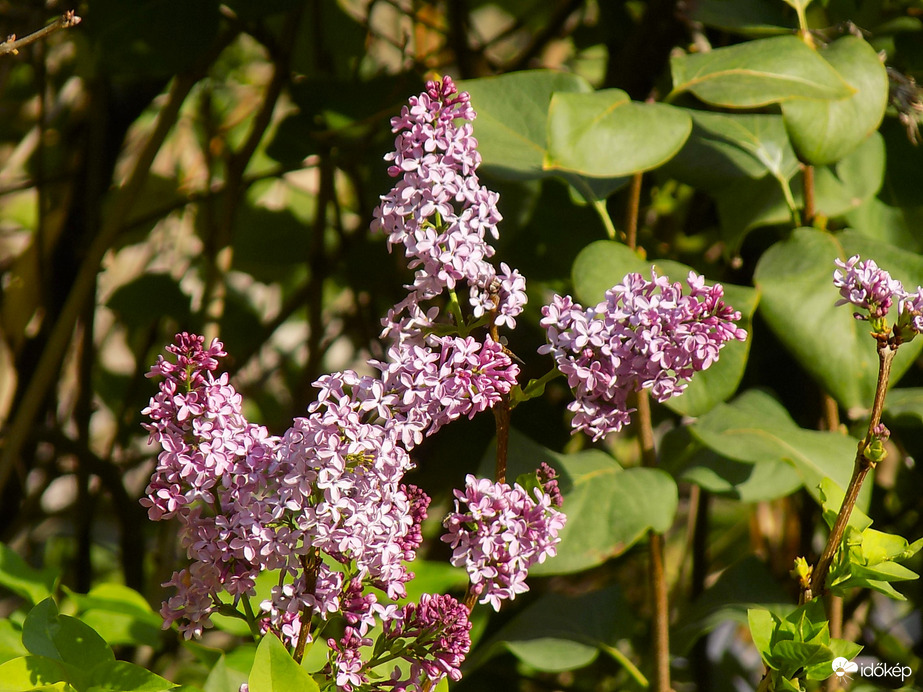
(440, 212)
(645, 334)
(866, 286)
(872, 289)
(497, 532)
(438, 631)
(249, 502)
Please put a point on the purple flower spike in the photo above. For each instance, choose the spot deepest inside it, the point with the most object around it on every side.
(866, 286)
(645, 334)
(497, 532)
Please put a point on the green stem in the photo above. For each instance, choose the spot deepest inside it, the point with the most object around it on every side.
(600, 206)
(251, 619)
(455, 309)
(626, 663)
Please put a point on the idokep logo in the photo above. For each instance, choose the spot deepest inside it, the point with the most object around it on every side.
(842, 668)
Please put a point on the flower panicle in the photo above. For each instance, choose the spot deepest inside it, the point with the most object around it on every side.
(647, 334)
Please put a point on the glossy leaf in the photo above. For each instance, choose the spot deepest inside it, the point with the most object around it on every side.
(603, 264)
(63, 638)
(824, 131)
(559, 632)
(274, 670)
(757, 73)
(32, 672)
(724, 148)
(755, 428)
(608, 508)
(120, 615)
(122, 675)
(799, 304)
(686, 460)
(25, 581)
(607, 135)
(512, 113)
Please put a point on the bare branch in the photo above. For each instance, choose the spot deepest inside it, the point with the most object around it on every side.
(12, 44)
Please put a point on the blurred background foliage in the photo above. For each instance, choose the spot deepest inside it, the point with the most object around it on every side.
(212, 167)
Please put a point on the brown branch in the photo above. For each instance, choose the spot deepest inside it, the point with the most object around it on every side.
(12, 45)
(860, 470)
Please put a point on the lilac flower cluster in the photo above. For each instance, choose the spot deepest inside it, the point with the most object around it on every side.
(441, 214)
(865, 285)
(645, 334)
(497, 532)
(324, 505)
(249, 502)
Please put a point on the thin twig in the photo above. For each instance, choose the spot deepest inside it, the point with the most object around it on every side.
(659, 596)
(631, 213)
(809, 211)
(12, 45)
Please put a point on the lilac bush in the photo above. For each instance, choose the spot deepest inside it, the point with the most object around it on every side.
(324, 506)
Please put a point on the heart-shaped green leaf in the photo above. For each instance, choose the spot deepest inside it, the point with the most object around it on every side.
(799, 304)
(824, 131)
(274, 670)
(606, 134)
(757, 73)
(512, 113)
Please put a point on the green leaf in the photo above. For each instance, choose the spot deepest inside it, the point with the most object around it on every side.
(724, 148)
(120, 615)
(605, 134)
(511, 125)
(747, 482)
(799, 304)
(32, 584)
(608, 508)
(222, 678)
(31, 672)
(123, 676)
(792, 656)
(10, 641)
(762, 624)
(746, 17)
(559, 632)
(905, 404)
(832, 496)
(274, 670)
(63, 638)
(824, 131)
(757, 73)
(603, 264)
(755, 428)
